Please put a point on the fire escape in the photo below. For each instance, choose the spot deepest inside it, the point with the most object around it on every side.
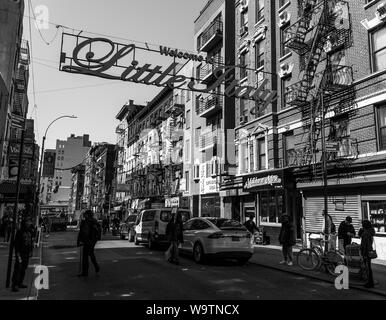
(321, 31)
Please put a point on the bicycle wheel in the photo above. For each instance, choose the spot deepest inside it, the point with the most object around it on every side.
(332, 260)
(308, 259)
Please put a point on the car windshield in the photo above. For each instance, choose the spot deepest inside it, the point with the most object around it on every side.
(227, 224)
(131, 218)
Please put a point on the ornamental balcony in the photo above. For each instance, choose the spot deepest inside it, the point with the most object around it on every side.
(207, 70)
(209, 106)
(211, 36)
(208, 140)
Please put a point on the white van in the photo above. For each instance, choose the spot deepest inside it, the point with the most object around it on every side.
(150, 226)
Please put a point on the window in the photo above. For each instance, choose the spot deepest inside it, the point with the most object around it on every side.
(379, 49)
(282, 3)
(243, 65)
(272, 206)
(187, 181)
(199, 225)
(148, 216)
(289, 149)
(198, 72)
(284, 50)
(251, 157)
(197, 137)
(243, 22)
(187, 150)
(262, 155)
(259, 54)
(259, 10)
(375, 211)
(187, 119)
(382, 127)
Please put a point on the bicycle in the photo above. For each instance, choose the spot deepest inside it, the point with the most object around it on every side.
(315, 257)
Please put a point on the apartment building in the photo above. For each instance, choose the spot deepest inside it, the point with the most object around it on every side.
(76, 194)
(330, 97)
(99, 178)
(213, 115)
(69, 154)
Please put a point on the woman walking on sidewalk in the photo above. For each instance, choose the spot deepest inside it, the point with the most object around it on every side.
(367, 234)
(287, 239)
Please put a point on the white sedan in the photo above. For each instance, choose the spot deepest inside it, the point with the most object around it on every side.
(217, 237)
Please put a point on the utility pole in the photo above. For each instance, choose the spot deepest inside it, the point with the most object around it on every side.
(324, 168)
(12, 243)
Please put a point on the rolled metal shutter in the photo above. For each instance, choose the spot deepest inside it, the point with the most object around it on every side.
(314, 207)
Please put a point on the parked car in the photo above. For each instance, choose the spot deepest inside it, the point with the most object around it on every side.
(150, 226)
(127, 227)
(217, 237)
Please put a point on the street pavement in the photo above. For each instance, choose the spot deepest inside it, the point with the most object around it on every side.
(137, 273)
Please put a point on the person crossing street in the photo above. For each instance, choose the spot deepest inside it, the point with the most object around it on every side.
(89, 234)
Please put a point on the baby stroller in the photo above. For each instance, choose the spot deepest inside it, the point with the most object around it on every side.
(354, 261)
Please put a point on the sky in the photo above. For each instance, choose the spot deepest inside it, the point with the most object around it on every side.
(93, 100)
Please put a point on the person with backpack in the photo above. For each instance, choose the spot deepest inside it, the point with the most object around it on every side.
(89, 234)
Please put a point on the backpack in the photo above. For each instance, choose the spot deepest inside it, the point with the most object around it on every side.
(95, 231)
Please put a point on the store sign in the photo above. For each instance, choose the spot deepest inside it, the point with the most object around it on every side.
(256, 182)
(119, 63)
(172, 202)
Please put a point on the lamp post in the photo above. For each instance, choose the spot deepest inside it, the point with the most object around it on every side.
(41, 162)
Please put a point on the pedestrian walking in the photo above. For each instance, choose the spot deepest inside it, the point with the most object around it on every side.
(23, 251)
(346, 232)
(7, 221)
(287, 239)
(174, 233)
(367, 233)
(329, 229)
(89, 234)
(105, 224)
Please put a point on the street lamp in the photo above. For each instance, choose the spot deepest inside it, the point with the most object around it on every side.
(41, 159)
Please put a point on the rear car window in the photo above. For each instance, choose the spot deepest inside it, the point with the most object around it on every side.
(148, 216)
(165, 216)
(227, 224)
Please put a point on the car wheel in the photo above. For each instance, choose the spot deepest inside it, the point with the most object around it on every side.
(242, 261)
(136, 242)
(198, 253)
(150, 242)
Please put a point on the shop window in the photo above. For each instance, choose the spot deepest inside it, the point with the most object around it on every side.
(272, 206)
(375, 212)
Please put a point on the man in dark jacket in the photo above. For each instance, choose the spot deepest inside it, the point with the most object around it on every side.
(346, 231)
(23, 250)
(287, 239)
(88, 236)
(251, 225)
(174, 233)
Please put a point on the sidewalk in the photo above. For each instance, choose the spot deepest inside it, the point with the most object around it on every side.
(270, 256)
(23, 294)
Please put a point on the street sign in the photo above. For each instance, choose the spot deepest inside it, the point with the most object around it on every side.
(332, 147)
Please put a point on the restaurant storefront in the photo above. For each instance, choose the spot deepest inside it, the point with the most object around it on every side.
(268, 195)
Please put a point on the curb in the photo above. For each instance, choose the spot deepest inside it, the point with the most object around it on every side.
(356, 287)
